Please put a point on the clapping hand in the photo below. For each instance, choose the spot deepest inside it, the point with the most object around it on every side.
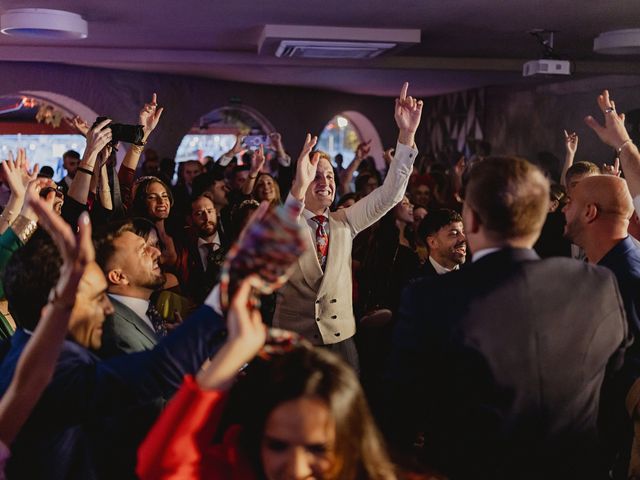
(150, 116)
(613, 133)
(407, 114)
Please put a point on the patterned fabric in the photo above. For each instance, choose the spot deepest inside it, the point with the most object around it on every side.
(322, 239)
(215, 257)
(156, 320)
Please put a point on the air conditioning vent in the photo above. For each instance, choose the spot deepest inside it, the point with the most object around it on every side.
(331, 49)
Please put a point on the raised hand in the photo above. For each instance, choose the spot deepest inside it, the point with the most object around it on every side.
(306, 169)
(238, 147)
(16, 173)
(363, 149)
(77, 251)
(276, 140)
(98, 138)
(247, 335)
(613, 132)
(32, 194)
(78, 124)
(407, 115)
(150, 116)
(571, 142)
(257, 161)
(612, 169)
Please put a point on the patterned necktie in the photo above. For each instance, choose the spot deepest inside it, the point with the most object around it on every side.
(156, 320)
(215, 257)
(322, 239)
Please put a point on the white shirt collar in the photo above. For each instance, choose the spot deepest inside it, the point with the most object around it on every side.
(484, 252)
(308, 214)
(138, 305)
(441, 270)
(215, 238)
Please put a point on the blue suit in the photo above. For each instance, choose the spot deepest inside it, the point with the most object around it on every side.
(94, 413)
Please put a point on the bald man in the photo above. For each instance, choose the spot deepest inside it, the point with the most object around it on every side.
(598, 213)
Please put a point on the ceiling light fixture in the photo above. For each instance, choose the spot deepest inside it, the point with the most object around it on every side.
(618, 42)
(43, 23)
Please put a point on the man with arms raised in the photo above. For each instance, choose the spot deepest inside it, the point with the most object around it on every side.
(316, 301)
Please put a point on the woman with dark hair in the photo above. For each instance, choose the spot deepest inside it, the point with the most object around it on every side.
(152, 199)
(308, 416)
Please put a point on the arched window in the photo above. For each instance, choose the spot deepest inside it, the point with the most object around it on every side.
(344, 132)
(215, 133)
(36, 124)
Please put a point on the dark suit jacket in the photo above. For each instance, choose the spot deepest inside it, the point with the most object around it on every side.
(501, 366)
(195, 281)
(125, 332)
(94, 413)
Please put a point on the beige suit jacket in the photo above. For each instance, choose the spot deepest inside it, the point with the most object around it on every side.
(316, 304)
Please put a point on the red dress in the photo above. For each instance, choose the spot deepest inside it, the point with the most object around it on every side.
(179, 446)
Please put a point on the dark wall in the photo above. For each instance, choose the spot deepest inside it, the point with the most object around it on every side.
(525, 121)
(120, 94)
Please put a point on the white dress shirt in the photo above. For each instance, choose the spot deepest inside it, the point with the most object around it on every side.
(440, 269)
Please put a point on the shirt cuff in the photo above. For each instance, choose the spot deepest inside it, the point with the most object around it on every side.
(213, 300)
(294, 202)
(405, 152)
(225, 160)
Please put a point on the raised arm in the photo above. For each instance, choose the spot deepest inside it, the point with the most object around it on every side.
(614, 134)
(370, 209)
(284, 158)
(17, 176)
(571, 145)
(347, 176)
(149, 117)
(37, 362)
(97, 139)
(237, 149)
(257, 162)
(306, 169)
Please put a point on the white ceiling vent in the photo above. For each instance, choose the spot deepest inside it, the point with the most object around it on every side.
(327, 49)
(296, 41)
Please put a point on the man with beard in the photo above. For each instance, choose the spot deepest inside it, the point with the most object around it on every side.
(443, 233)
(131, 267)
(199, 261)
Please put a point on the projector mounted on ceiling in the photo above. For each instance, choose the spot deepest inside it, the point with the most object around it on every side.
(550, 63)
(295, 41)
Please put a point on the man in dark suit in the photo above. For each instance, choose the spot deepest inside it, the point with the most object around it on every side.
(200, 259)
(498, 365)
(443, 233)
(131, 267)
(94, 413)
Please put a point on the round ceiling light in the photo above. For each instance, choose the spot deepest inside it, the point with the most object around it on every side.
(43, 23)
(618, 42)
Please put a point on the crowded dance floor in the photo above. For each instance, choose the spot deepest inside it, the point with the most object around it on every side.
(291, 241)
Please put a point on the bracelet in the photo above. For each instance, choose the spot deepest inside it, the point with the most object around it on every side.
(24, 228)
(56, 301)
(137, 148)
(4, 215)
(619, 149)
(254, 177)
(85, 170)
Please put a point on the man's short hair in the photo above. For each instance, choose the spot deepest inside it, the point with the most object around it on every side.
(435, 220)
(104, 238)
(203, 182)
(28, 278)
(581, 168)
(72, 154)
(509, 195)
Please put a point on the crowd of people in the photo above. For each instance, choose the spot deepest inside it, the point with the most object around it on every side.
(268, 318)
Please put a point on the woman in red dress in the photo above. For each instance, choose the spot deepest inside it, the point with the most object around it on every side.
(303, 415)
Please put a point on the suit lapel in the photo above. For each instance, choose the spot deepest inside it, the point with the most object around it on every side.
(132, 317)
(308, 261)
